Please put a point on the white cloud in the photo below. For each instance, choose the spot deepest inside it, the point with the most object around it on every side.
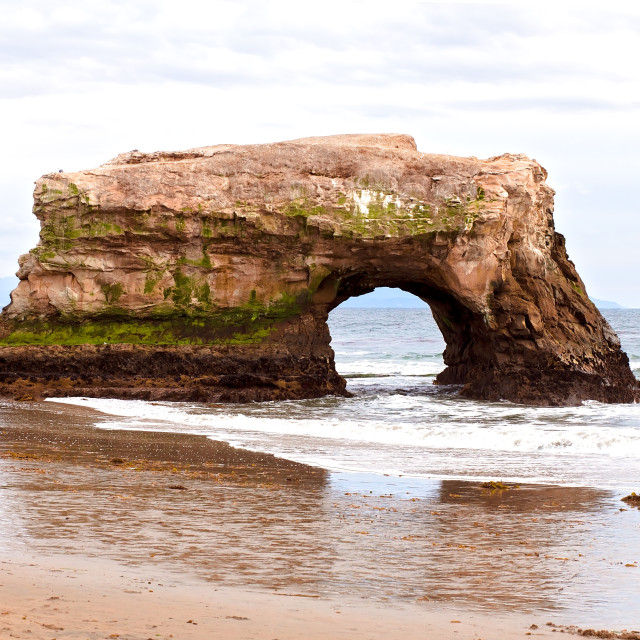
(81, 82)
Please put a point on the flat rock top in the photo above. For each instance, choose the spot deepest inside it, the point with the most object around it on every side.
(398, 141)
(381, 140)
(361, 145)
(362, 183)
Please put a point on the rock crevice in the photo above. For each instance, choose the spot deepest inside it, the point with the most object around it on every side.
(228, 260)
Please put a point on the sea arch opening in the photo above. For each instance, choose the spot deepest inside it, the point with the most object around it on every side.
(463, 331)
(386, 339)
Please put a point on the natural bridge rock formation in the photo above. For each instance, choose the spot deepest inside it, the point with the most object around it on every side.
(209, 274)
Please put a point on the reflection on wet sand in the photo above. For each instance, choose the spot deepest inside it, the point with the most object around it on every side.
(207, 511)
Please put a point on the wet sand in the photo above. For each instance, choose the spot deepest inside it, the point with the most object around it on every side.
(152, 535)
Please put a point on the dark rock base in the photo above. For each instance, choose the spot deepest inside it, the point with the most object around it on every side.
(252, 374)
(185, 373)
(555, 387)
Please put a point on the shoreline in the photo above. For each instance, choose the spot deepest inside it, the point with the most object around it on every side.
(239, 530)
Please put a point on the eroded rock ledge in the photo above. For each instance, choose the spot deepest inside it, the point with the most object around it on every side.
(209, 274)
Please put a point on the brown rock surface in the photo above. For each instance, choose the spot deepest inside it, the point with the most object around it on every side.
(209, 274)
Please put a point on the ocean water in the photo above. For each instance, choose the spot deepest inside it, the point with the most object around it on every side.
(399, 424)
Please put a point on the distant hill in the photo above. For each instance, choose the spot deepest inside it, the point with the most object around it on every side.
(606, 304)
(7, 285)
(385, 298)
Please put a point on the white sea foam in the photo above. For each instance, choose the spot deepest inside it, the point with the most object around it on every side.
(496, 427)
(391, 367)
(352, 353)
(596, 445)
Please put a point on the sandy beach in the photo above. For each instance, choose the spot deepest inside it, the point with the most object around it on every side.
(57, 598)
(135, 535)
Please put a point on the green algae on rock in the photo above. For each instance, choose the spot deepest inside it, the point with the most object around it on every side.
(246, 249)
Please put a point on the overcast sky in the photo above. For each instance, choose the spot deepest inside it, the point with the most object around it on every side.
(83, 81)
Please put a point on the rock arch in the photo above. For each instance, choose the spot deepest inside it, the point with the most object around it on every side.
(210, 273)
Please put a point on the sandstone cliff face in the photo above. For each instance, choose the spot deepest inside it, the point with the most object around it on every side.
(228, 259)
